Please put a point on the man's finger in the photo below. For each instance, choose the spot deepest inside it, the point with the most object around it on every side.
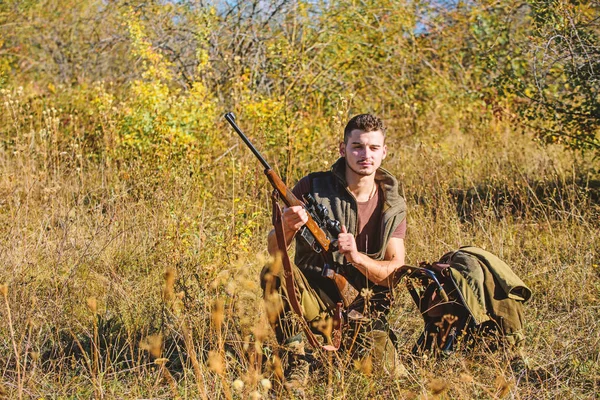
(304, 218)
(344, 229)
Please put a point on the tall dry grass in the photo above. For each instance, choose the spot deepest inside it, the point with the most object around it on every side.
(125, 277)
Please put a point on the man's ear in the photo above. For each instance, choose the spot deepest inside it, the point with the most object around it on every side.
(384, 151)
(343, 149)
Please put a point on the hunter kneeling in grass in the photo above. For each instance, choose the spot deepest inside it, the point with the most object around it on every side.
(364, 199)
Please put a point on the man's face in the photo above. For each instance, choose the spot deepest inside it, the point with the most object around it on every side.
(364, 151)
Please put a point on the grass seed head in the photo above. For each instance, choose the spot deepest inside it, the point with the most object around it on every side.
(366, 293)
(276, 266)
(218, 313)
(255, 395)
(364, 365)
(170, 276)
(231, 288)
(222, 277)
(92, 304)
(277, 368)
(437, 387)
(238, 385)
(450, 318)
(152, 344)
(34, 355)
(261, 330)
(216, 363)
(266, 384)
(502, 386)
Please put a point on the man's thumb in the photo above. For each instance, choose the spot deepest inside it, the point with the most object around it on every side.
(344, 230)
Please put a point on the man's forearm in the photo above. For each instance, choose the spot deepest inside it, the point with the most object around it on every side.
(378, 272)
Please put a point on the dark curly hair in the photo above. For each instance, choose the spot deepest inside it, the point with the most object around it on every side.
(364, 122)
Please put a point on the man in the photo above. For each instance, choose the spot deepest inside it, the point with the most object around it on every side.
(364, 198)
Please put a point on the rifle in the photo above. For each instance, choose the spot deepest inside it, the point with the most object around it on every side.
(320, 232)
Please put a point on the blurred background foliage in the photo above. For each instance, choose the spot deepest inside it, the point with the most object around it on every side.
(164, 71)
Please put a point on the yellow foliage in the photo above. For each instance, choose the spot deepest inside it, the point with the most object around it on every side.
(264, 108)
(204, 23)
(157, 117)
(156, 67)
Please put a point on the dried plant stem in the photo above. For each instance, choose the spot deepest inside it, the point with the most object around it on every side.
(14, 343)
(189, 344)
(96, 350)
(26, 351)
(98, 392)
(164, 373)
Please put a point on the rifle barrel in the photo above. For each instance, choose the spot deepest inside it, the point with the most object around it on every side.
(231, 119)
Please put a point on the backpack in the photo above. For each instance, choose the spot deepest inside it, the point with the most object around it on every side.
(469, 294)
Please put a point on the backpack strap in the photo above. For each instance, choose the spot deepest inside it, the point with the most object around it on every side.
(290, 285)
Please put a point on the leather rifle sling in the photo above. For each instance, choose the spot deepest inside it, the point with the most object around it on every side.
(291, 285)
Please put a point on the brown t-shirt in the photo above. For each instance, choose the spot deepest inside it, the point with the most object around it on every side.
(369, 218)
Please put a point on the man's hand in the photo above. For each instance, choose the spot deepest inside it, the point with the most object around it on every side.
(294, 218)
(347, 246)
(379, 272)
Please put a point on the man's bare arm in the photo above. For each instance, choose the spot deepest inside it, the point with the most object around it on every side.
(378, 272)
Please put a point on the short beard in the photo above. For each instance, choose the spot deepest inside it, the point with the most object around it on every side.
(361, 173)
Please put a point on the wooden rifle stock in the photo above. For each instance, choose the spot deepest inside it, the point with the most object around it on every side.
(347, 292)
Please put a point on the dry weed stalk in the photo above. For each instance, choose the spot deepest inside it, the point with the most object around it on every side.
(94, 375)
(16, 353)
(216, 358)
(163, 373)
(92, 304)
(191, 350)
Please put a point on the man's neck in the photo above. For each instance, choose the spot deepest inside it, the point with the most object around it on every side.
(362, 187)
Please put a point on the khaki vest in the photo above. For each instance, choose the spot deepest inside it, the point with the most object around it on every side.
(330, 189)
